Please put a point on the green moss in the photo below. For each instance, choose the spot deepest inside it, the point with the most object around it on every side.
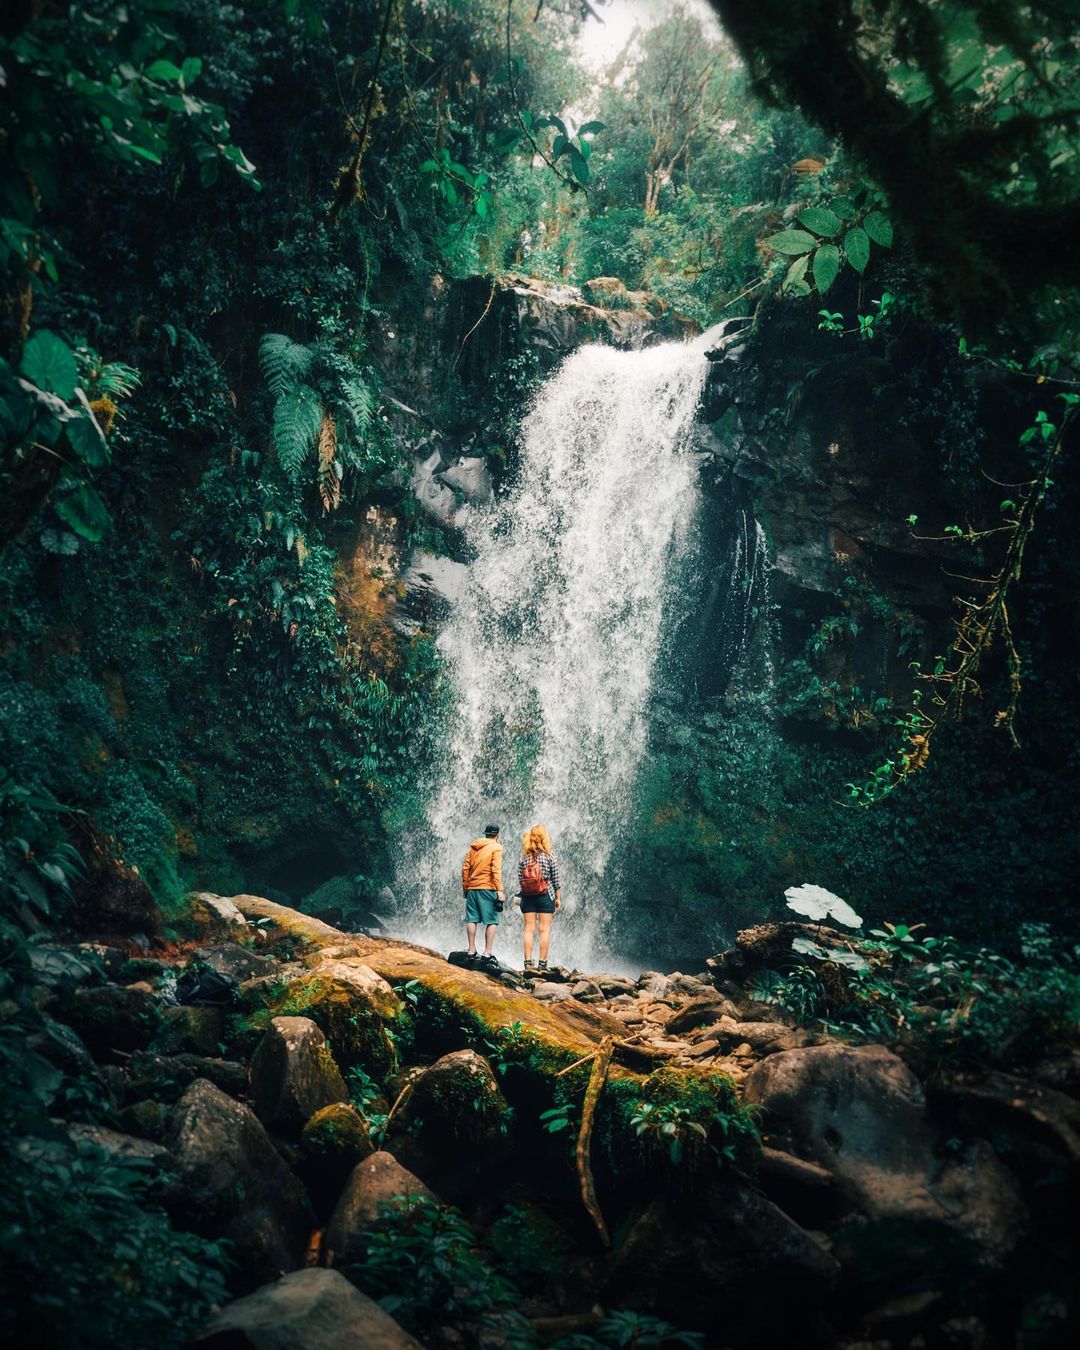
(337, 1133)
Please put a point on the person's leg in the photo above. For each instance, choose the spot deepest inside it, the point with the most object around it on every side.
(530, 934)
(544, 921)
(489, 938)
(470, 933)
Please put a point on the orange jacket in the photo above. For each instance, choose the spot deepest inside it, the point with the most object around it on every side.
(482, 868)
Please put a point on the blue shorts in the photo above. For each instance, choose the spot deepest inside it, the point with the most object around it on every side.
(480, 907)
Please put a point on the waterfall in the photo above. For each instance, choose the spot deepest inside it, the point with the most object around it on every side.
(551, 647)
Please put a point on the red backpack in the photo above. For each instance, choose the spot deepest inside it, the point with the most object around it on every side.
(533, 881)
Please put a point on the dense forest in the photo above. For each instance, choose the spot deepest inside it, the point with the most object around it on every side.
(293, 293)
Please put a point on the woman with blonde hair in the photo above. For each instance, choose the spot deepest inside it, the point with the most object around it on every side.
(538, 889)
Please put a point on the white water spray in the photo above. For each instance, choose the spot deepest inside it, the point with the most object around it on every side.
(551, 647)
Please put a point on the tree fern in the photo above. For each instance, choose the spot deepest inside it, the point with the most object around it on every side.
(284, 363)
(357, 398)
(298, 418)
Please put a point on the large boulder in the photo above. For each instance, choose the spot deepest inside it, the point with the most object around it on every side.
(352, 1005)
(112, 1018)
(332, 1142)
(454, 1125)
(216, 916)
(234, 1183)
(190, 1031)
(165, 1078)
(457, 1106)
(312, 1309)
(718, 1260)
(860, 1113)
(375, 1185)
(293, 1074)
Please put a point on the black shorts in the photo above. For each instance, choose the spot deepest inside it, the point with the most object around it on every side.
(537, 904)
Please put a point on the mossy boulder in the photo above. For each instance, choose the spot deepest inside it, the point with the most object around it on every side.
(460, 1105)
(354, 1007)
(332, 1142)
(190, 1030)
(293, 1074)
(214, 916)
(112, 1018)
(337, 1131)
(165, 1078)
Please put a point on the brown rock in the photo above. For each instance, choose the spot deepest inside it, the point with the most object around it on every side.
(306, 1310)
(706, 1008)
(293, 1074)
(377, 1182)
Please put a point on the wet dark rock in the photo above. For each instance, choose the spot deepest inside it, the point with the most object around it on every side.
(119, 1145)
(456, 1110)
(234, 1183)
(718, 1260)
(112, 1018)
(165, 1078)
(306, 1310)
(195, 1031)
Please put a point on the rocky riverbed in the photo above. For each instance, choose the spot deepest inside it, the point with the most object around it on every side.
(668, 1146)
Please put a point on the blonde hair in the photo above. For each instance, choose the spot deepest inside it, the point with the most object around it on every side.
(536, 840)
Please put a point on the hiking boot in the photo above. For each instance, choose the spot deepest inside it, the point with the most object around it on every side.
(530, 965)
(543, 965)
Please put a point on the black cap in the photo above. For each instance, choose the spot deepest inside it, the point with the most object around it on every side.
(491, 831)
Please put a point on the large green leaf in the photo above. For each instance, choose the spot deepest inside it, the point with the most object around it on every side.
(826, 266)
(857, 248)
(879, 227)
(791, 241)
(86, 439)
(84, 512)
(49, 363)
(579, 164)
(297, 420)
(844, 207)
(821, 220)
(795, 281)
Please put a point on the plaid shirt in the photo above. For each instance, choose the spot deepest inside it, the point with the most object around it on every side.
(548, 866)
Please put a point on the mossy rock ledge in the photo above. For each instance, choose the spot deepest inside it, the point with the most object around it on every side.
(557, 1034)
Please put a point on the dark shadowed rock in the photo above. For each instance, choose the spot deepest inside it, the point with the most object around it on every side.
(720, 1260)
(376, 1182)
(164, 1078)
(293, 1074)
(112, 1017)
(859, 1112)
(234, 1183)
(306, 1310)
(459, 1105)
(190, 1030)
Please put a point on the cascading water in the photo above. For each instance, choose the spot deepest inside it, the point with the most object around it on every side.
(551, 647)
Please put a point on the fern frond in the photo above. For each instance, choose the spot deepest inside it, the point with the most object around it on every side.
(283, 362)
(359, 401)
(329, 482)
(298, 418)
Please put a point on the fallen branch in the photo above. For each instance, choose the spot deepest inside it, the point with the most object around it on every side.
(597, 1079)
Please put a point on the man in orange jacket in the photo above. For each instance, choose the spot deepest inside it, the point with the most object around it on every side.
(481, 885)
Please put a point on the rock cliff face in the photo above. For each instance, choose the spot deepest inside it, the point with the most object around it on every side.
(811, 594)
